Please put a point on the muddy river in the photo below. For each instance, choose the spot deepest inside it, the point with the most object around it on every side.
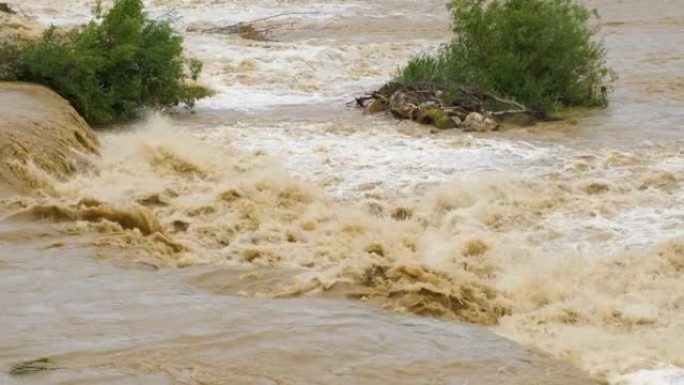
(277, 236)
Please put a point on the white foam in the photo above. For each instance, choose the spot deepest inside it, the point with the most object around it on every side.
(666, 376)
(392, 161)
(188, 11)
(242, 98)
(635, 228)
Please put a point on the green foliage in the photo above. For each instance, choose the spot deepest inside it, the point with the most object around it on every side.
(542, 53)
(8, 60)
(115, 66)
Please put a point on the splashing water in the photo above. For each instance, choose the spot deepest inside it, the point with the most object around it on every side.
(568, 240)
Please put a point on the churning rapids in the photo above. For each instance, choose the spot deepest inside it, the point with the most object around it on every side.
(277, 237)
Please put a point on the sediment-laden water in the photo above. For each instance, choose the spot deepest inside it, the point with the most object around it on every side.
(565, 238)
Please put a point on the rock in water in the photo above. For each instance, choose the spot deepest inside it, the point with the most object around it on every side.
(445, 122)
(432, 114)
(477, 122)
(402, 105)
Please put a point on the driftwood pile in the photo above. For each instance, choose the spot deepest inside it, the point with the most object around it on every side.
(470, 109)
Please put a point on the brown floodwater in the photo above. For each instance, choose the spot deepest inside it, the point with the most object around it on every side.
(99, 323)
(278, 236)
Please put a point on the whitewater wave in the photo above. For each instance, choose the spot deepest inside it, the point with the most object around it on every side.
(488, 249)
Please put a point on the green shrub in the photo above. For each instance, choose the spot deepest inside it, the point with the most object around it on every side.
(115, 66)
(9, 52)
(542, 53)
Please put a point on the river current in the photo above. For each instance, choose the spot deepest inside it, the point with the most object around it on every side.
(289, 239)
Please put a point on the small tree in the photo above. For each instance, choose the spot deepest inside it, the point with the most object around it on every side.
(542, 53)
(116, 65)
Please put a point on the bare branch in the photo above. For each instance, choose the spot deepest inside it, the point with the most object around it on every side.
(249, 29)
(281, 15)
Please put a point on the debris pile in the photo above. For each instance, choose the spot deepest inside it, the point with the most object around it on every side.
(467, 108)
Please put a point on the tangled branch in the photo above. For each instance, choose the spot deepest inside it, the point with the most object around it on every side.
(251, 29)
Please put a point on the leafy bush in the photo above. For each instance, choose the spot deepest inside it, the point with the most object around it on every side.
(542, 53)
(8, 60)
(114, 66)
